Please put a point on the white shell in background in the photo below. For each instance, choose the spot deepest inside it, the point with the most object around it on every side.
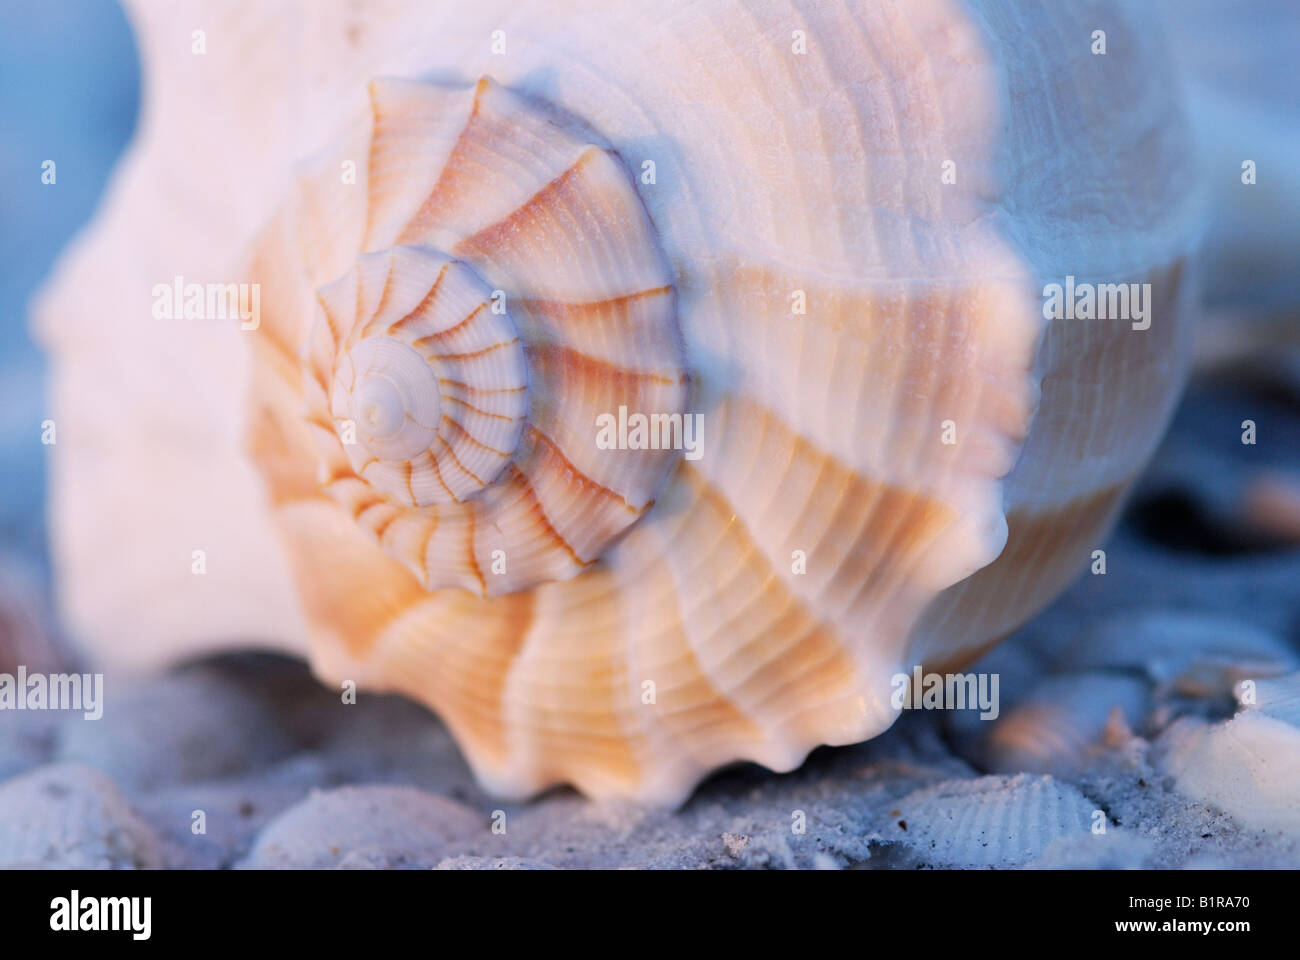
(70, 817)
(1248, 766)
(390, 827)
(1279, 698)
(1238, 65)
(1194, 653)
(1061, 724)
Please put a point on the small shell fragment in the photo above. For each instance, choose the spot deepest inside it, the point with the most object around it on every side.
(1248, 766)
(68, 816)
(1062, 723)
(993, 821)
(365, 827)
(1194, 653)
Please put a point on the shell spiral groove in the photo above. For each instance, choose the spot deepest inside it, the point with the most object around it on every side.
(455, 411)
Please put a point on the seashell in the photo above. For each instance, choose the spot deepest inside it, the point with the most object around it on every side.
(1272, 505)
(505, 271)
(27, 741)
(1195, 653)
(473, 462)
(992, 821)
(1238, 66)
(364, 828)
(1113, 850)
(1061, 724)
(71, 817)
(492, 863)
(193, 727)
(1279, 698)
(26, 622)
(1248, 767)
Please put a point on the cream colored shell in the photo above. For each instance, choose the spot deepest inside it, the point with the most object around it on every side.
(748, 605)
(507, 290)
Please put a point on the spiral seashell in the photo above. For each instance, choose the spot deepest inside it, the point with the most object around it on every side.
(502, 297)
(902, 458)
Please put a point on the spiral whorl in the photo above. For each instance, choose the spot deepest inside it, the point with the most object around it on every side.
(509, 290)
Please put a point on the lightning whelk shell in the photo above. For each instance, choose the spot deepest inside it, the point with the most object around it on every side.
(797, 271)
(507, 290)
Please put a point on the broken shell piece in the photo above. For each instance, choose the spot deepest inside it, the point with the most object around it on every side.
(1114, 850)
(27, 628)
(993, 821)
(1197, 654)
(1275, 697)
(1248, 767)
(68, 816)
(1238, 63)
(365, 827)
(1272, 505)
(1062, 724)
